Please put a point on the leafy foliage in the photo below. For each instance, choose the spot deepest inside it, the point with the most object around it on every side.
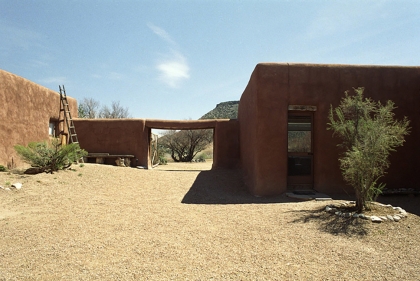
(184, 145)
(369, 133)
(50, 156)
(2, 168)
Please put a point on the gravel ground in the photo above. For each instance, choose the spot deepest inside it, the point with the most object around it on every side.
(186, 222)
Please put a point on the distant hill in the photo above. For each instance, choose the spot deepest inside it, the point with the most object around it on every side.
(224, 110)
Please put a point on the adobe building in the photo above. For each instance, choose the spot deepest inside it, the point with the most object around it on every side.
(283, 116)
(280, 140)
(29, 112)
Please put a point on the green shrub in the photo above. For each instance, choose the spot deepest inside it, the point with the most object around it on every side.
(50, 156)
(2, 168)
(369, 133)
(162, 160)
(201, 158)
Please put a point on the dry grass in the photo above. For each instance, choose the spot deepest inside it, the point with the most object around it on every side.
(184, 222)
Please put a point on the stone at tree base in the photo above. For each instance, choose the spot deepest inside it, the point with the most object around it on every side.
(17, 185)
(375, 219)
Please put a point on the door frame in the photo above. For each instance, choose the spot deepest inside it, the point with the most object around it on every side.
(301, 182)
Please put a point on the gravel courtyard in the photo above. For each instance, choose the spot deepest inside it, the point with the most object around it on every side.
(186, 222)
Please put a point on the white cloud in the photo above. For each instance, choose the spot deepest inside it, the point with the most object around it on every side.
(173, 70)
(161, 33)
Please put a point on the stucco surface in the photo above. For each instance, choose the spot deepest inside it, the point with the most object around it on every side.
(26, 111)
(131, 136)
(263, 113)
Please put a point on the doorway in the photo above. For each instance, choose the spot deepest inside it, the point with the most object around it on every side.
(300, 150)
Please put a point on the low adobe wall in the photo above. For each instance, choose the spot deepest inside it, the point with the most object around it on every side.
(263, 112)
(131, 136)
(27, 109)
(114, 136)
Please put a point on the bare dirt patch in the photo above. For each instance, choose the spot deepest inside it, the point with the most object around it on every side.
(187, 222)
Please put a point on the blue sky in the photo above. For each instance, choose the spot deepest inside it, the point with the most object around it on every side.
(178, 59)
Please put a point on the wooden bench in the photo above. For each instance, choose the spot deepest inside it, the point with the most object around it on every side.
(120, 159)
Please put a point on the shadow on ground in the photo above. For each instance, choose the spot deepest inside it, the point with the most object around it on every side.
(222, 186)
(333, 224)
(410, 203)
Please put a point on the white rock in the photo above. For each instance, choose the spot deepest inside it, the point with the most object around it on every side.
(399, 209)
(338, 213)
(396, 218)
(391, 218)
(375, 219)
(7, 189)
(355, 215)
(1, 187)
(17, 185)
(383, 218)
(327, 209)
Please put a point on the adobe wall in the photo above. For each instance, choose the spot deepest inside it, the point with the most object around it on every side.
(115, 136)
(226, 152)
(131, 136)
(263, 114)
(27, 109)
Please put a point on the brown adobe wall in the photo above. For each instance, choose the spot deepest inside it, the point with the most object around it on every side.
(114, 136)
(27, 109)
(226, 152)
(273, 87)
(131, 136)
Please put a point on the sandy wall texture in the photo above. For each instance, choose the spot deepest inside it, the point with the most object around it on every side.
(26, 111)
(263, 112)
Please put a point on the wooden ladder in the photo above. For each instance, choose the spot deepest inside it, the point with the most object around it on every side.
(67, 116)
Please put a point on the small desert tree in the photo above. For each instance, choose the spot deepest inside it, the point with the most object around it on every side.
(90, 109)
(185, 144)
(116, 111)
(369, 133)
(50, 156)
